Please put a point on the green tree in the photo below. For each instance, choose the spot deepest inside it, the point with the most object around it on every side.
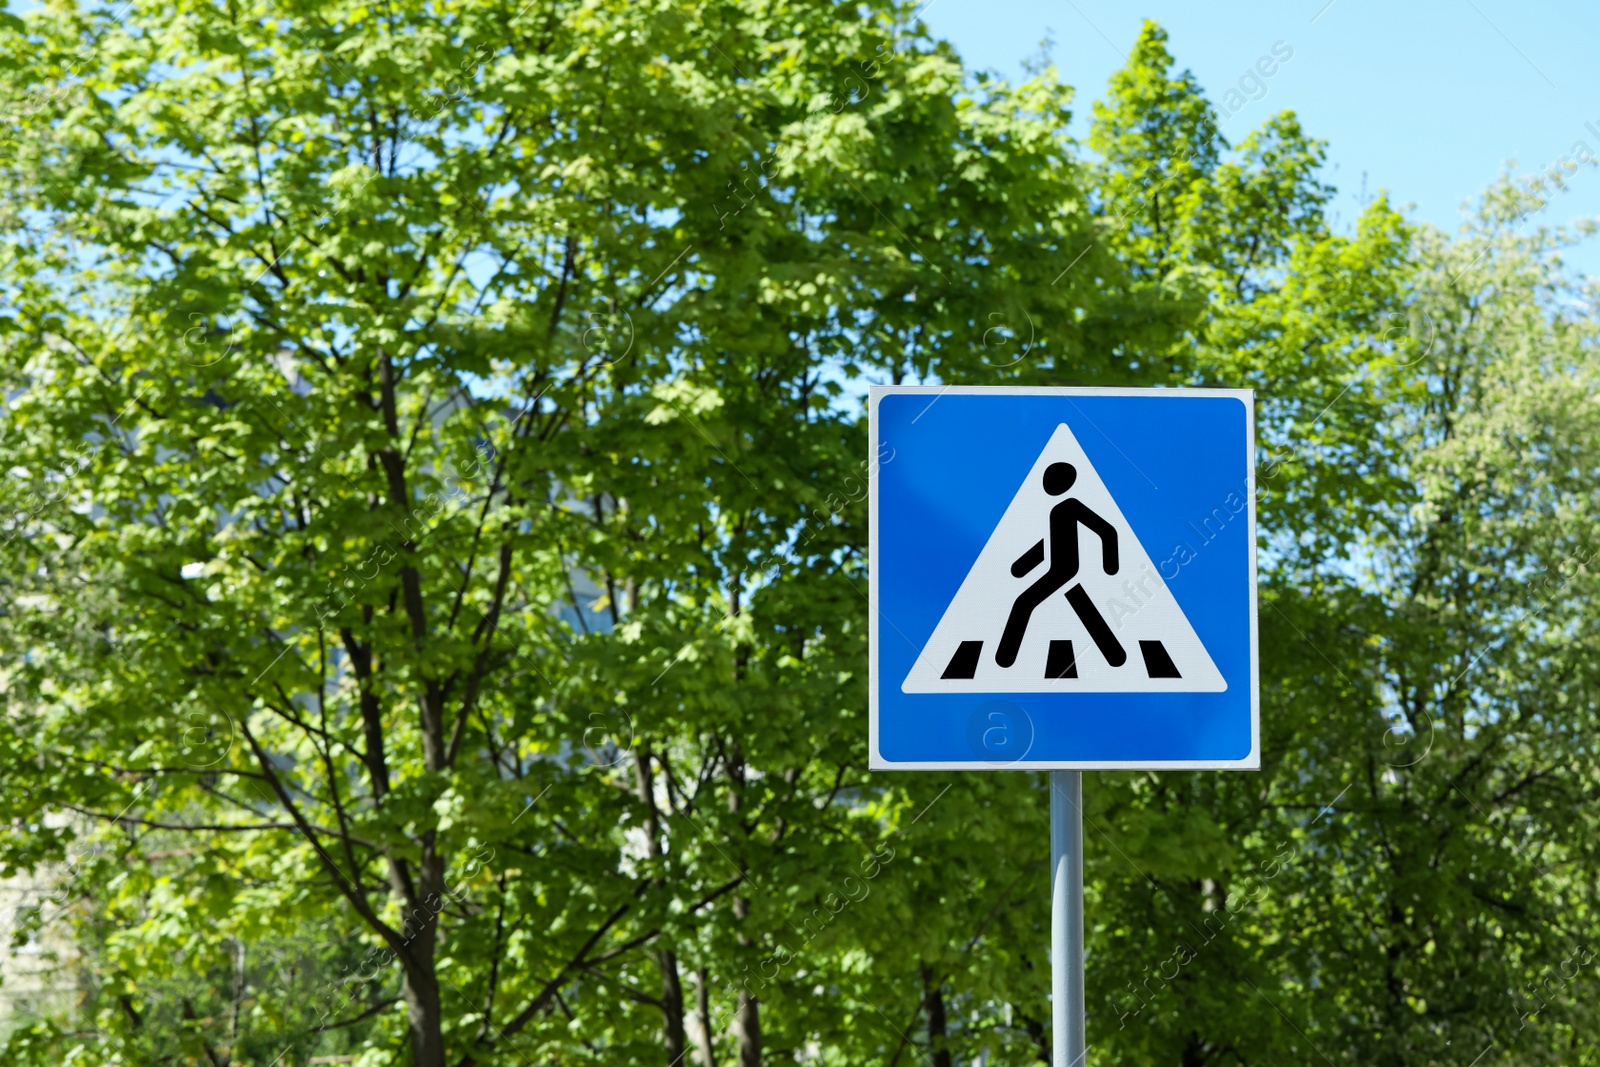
(436, 501)
(1406, 879)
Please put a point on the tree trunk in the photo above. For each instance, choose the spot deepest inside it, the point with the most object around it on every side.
(747, 1017)
(747, 1025)
(421, 986)
(672, 1007)
(933, 1005)
(418, 951)
(672, 1038)
(421, 992)
(702, 999)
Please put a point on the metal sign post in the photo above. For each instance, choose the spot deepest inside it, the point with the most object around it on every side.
(1066, 917)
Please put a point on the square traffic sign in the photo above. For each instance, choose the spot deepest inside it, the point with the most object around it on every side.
(1063, 578)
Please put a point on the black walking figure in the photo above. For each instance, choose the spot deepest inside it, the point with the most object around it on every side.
(1065, 518)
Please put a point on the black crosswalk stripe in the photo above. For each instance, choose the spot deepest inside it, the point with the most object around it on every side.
(1157, 664)
(964, 664)
(1061, 663)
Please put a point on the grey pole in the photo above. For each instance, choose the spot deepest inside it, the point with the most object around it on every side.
(1066, 918)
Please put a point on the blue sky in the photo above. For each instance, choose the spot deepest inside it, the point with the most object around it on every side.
(1425, 100)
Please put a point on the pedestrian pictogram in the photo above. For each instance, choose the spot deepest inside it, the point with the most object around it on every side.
(1063, 598)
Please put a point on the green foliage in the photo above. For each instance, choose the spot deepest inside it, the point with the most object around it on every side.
(434, 550)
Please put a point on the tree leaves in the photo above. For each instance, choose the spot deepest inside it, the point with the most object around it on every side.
(434, 548)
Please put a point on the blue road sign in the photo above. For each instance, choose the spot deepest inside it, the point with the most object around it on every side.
(1063, 579)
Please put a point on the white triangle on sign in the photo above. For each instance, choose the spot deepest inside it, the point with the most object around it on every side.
(1081, 623)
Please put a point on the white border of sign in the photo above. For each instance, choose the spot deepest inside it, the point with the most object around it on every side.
(877, 762)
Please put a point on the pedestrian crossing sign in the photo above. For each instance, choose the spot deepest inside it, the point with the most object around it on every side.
(1062, 578)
